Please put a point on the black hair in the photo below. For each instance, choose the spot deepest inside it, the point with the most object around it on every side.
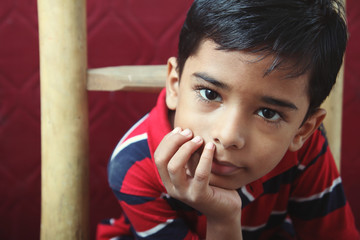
(310, 34)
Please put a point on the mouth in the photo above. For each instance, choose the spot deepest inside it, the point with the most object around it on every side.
(218, 167)
(223, 168)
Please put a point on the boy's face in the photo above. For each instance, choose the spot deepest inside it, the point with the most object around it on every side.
(252, 119)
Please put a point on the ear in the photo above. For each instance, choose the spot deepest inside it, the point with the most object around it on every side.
(172, 84)
(307, 129)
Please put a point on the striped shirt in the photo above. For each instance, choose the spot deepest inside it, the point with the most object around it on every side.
(303, 193)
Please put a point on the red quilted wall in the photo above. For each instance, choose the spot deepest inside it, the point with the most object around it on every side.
(120, 32)
(350, 164)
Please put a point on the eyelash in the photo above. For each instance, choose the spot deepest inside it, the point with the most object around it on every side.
(198, 90)
(273, 122)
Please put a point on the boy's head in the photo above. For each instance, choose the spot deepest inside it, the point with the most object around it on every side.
(253, 74)
(311, 34)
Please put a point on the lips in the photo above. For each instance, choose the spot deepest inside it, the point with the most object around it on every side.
(223, 168)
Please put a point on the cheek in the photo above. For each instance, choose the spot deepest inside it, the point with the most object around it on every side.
(270, 155)
(183, 113)
(190, 117)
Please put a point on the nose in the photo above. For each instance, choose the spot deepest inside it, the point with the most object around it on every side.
(230, 130)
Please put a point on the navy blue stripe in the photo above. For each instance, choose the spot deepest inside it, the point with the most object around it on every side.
(132, 199)
(177, 205)
(323, 131)
(106, 221)
(276, 221)
(244, 200)
(124, 160)
(322, 152)
(248, 235)
(319, 207)
(273, 185)
(178, 230)
(123, 238)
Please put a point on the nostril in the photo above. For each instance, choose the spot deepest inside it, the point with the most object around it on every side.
(216, 140)
(230, 143)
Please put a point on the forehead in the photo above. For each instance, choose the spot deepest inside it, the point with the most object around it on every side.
(245, 65)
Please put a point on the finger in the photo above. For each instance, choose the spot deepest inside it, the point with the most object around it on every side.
(163, 154)
(170, 144)
(167, 148)
(203, 170)
(177, 165)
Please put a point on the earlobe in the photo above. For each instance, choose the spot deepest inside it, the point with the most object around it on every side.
(172, 84)
(307, 129)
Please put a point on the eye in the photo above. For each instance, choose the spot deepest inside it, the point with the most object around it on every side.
(209, 95)
(269, 114)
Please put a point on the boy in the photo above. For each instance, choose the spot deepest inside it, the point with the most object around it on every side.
(233, 149)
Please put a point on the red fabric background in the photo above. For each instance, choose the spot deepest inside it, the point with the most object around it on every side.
(121, 32)
(350, 163)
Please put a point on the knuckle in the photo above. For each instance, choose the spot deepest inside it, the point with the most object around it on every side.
(201, 176)
(188, 147)
(159, 158)
(172, 169)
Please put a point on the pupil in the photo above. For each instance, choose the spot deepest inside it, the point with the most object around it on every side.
(268, 113)
(211, 95)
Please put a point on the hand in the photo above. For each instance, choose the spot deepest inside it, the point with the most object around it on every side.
(222, 207)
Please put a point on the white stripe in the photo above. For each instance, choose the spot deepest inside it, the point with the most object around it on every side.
(133, 127)
(301, 167)
(127, 134)
(247, 194)
(251, 229)
(115, 238)
(288, 220)
(154, 229)
(127, 143)
(164, 195)
(336, 182)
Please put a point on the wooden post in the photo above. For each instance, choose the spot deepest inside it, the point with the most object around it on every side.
(64, 119)
(333, 119)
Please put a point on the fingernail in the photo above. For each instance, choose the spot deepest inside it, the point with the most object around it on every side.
(210, 145)
(176, 130)
(186, 132)
(196, 139)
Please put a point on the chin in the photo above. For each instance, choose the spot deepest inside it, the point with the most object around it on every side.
(225, 182)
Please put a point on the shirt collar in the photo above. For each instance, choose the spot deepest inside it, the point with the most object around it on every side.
(255, 189)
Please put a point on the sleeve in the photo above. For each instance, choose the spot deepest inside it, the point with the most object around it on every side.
(145, 206)
(317, 206)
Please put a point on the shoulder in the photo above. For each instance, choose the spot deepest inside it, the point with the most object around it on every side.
(132, 150)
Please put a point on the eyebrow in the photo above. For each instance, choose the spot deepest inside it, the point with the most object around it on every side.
(211, 80)
(279, 102)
